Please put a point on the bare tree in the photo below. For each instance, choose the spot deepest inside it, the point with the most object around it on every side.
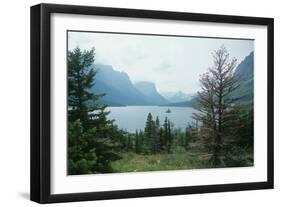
(215, 105)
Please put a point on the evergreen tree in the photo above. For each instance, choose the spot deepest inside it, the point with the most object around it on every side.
(169, 137)
(165, 134)
(215, 104)
(81, 155)
(184, 138)
(187, 137)
(137, 149)
(149, 132)
(138, 143)
(129, 143)
(178, 137)
(157, 123)
(156, 144)
(141, 142)
(152, 137)
(245, 127)
(83, 106)
(239, 149)
(80, 81)
(162, 139)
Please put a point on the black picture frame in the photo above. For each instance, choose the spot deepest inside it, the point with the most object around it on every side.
(40, 184)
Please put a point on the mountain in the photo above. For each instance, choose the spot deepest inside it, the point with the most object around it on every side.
(176, 97)
(117, 86)
(119, 89)
(244, 93)
(150, 91)
(245, 75)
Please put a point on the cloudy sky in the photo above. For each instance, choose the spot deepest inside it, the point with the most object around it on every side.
(172, 63)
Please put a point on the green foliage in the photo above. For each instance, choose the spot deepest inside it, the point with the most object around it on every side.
(138, 142)
(81, 152)
(80, 80)
(151, 132)
(156, 142)
(239, 149)
(157, 138)
(226, 128)
(92, 138)
(238, 156)
(245, 132)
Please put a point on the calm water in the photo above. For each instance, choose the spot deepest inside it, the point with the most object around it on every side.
(131, 118)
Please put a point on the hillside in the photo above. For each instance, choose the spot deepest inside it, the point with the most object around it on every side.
(245, 75)
(120, 91)
(150, 91)
(177, 97)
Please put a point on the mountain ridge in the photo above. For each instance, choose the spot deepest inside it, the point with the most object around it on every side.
(119, 89)
(176, 97)
(150, 91)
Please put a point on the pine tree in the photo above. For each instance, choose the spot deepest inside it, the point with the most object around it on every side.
(81, 155)
(137, 149)
(165, 134)
(138, 143)
(80, 81)
(215, 104)
(156, 144)
(187, 137)
(162, 139)
(149, 132)
(129, 143)
(169, 137)
(157, 123)
(83, 106)
(141, 142)
(239, 150)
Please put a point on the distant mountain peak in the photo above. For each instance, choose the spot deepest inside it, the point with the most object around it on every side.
(245, 68)
(175, 97)
(104, 67)
(119, 89)
(146, 85)
(244, 73)
(149, 89)
(180, 93)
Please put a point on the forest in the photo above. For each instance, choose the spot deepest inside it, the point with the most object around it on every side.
(220, 136)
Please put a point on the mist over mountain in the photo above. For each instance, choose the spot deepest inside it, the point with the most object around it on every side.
(150, 91)
(119, 89)
(117, 86)
(176, 97)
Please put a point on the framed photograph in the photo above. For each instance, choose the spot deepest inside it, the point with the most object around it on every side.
(133, 103)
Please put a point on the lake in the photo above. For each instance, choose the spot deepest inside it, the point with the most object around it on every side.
(131, 118)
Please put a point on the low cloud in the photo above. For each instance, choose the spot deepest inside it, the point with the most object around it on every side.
(172, 63)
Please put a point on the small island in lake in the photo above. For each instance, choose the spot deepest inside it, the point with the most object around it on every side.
(168, 111)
